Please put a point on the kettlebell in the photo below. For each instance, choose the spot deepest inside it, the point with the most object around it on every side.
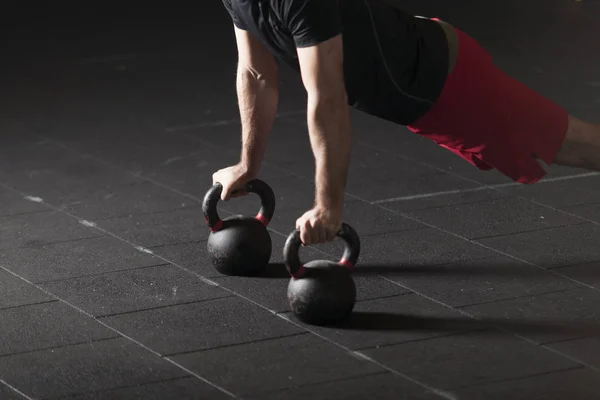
(322, 292)
(240, 245)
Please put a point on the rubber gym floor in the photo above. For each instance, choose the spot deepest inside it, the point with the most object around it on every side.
(113, 121)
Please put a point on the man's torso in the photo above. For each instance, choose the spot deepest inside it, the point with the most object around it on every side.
(395, 64)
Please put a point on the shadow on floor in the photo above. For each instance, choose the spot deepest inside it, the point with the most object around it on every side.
(481, 268)
(378, 321)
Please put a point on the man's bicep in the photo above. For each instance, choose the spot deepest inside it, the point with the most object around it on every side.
(253, 55)
(322, 69)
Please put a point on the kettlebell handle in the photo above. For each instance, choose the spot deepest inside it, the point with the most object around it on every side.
(349, 259)
(256, 186)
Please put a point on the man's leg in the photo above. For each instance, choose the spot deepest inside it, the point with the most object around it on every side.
(495, 122)
(581, 147)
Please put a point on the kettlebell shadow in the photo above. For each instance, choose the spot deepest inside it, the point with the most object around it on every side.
(275, 271)
(381, 321)
(481, 268)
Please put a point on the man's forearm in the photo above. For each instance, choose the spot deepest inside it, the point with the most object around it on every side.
(257, 98)
(331, 140)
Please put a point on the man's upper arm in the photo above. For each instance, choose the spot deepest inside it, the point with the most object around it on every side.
(253, 55)
(322, 70)
(317, 30)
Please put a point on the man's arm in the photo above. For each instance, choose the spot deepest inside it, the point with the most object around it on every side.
(258, 97)
(328, 119)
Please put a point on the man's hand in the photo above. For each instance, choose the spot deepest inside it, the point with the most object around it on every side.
(233, 179)
(319, 225)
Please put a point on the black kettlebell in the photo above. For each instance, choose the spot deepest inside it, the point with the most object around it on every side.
(322, 292)
(239, 245)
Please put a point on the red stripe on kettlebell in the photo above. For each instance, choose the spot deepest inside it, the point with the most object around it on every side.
(217, 226)
(347, 263)
(299, 273)
(264, 220)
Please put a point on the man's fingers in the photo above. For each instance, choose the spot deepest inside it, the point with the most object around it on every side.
(305, 236)
(306, 232)
(226, 193)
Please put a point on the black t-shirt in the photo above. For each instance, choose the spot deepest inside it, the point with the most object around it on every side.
(395, 64)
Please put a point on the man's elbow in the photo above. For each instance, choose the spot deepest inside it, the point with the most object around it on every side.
(256, 79)
(255, 74)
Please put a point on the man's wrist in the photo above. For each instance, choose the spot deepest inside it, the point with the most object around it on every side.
(329, 201)
(249, 168)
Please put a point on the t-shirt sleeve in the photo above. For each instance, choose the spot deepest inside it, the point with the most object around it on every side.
(236, 21)
(312, 21)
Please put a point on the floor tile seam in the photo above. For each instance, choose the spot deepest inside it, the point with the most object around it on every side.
(519, 378)
(568, 207)
(394, 231)
(439, 207)
(373, 234)
(499, 252)
(224, 122)
(574, 359)
(161, 307)
(575, 264)
(145, 214)
(187, 242)
(430, 195)
(446, 264)
(432, 166)
(553, 342)
(236, 344)
(317, 384)
(424, 339)
(351, 352)
(58, 242)
(15, 390)
(498, 188)
(389, 296)
(557, 210)
(500, 328)
(95, 274)
(129, 338)
(132, 386)
(363, 143)
(2, 309)
(524, 296)
(62, 346)
(519, 232)
(416, 161)
(141, 214)
(543, 205)
(22, 214)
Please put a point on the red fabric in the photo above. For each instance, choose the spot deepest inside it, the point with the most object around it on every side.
(492, 120)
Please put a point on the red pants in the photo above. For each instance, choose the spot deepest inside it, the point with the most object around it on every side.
(492, 120)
